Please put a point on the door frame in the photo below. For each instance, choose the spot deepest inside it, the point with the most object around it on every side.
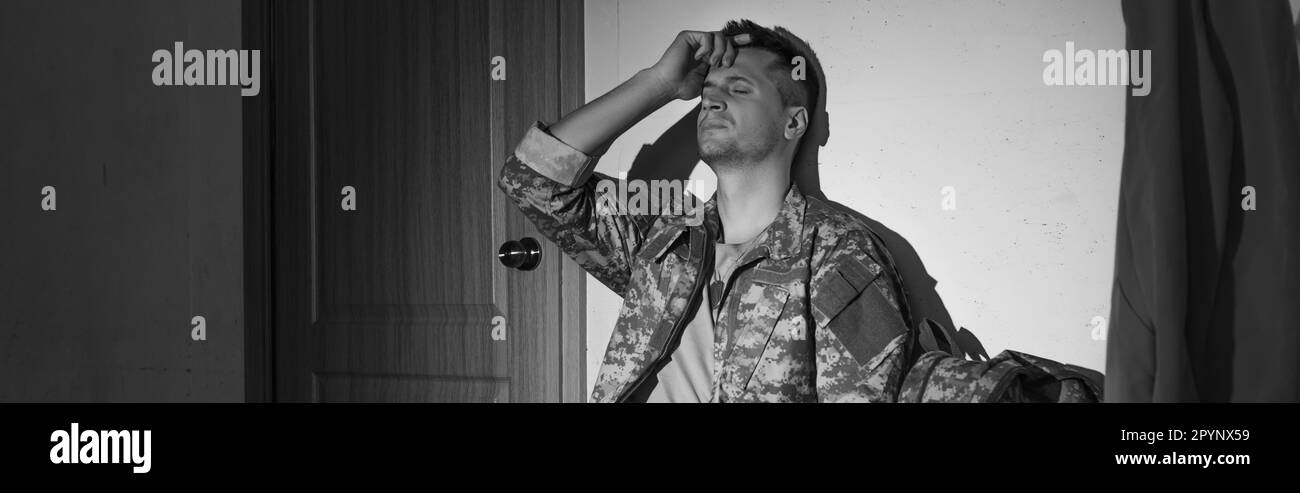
(259, 287)
(262, 31)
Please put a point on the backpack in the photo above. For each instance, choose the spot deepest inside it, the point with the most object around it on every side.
(1011, 376)
(939, 370)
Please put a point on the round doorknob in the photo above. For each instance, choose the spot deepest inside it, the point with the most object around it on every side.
(525, 254)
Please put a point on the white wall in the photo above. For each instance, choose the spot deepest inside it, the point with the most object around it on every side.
(924, 95)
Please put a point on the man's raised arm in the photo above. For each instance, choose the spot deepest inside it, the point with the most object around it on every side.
(679, 74)
(549, 176)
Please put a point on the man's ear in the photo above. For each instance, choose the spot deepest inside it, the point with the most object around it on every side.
(796, 122)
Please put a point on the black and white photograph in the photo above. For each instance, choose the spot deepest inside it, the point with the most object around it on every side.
(423, 206)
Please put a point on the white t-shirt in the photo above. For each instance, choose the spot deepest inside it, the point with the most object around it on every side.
(688, 376)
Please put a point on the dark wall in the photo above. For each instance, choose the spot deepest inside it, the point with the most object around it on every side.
(96, 297)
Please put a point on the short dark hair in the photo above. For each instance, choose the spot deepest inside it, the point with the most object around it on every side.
(793, 92)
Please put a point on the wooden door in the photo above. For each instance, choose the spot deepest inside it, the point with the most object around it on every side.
(392, 105)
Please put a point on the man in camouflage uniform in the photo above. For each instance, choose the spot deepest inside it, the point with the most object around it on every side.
(806, 308)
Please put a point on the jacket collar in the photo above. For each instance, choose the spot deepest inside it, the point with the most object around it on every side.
(781, 239)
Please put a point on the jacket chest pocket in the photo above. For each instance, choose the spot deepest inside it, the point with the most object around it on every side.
(666, 290)
(770, 355)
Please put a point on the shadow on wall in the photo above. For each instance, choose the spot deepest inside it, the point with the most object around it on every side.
(674, 155)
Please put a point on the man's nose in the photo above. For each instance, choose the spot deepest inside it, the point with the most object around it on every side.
(711, 102)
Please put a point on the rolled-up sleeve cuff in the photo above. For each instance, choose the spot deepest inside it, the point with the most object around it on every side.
(554, 159)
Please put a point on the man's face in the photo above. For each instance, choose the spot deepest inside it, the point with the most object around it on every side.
(741, 118)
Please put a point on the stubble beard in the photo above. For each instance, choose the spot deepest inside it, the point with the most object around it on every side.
(727, 154)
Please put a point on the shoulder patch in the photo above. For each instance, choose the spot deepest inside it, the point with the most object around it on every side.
(849, 294)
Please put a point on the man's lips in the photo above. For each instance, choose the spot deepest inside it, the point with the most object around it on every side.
(712, 123)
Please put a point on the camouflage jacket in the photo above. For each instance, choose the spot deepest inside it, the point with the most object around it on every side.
(812, 316)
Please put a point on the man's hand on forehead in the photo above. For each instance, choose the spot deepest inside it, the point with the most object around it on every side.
(716, 49)
(679, 74)
(687, 61)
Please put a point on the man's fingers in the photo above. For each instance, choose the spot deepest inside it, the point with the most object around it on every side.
(719, 49)
(706, 46)
(729, 56)
(714, 48)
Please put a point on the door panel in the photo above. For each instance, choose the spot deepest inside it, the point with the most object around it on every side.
(399, 299)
